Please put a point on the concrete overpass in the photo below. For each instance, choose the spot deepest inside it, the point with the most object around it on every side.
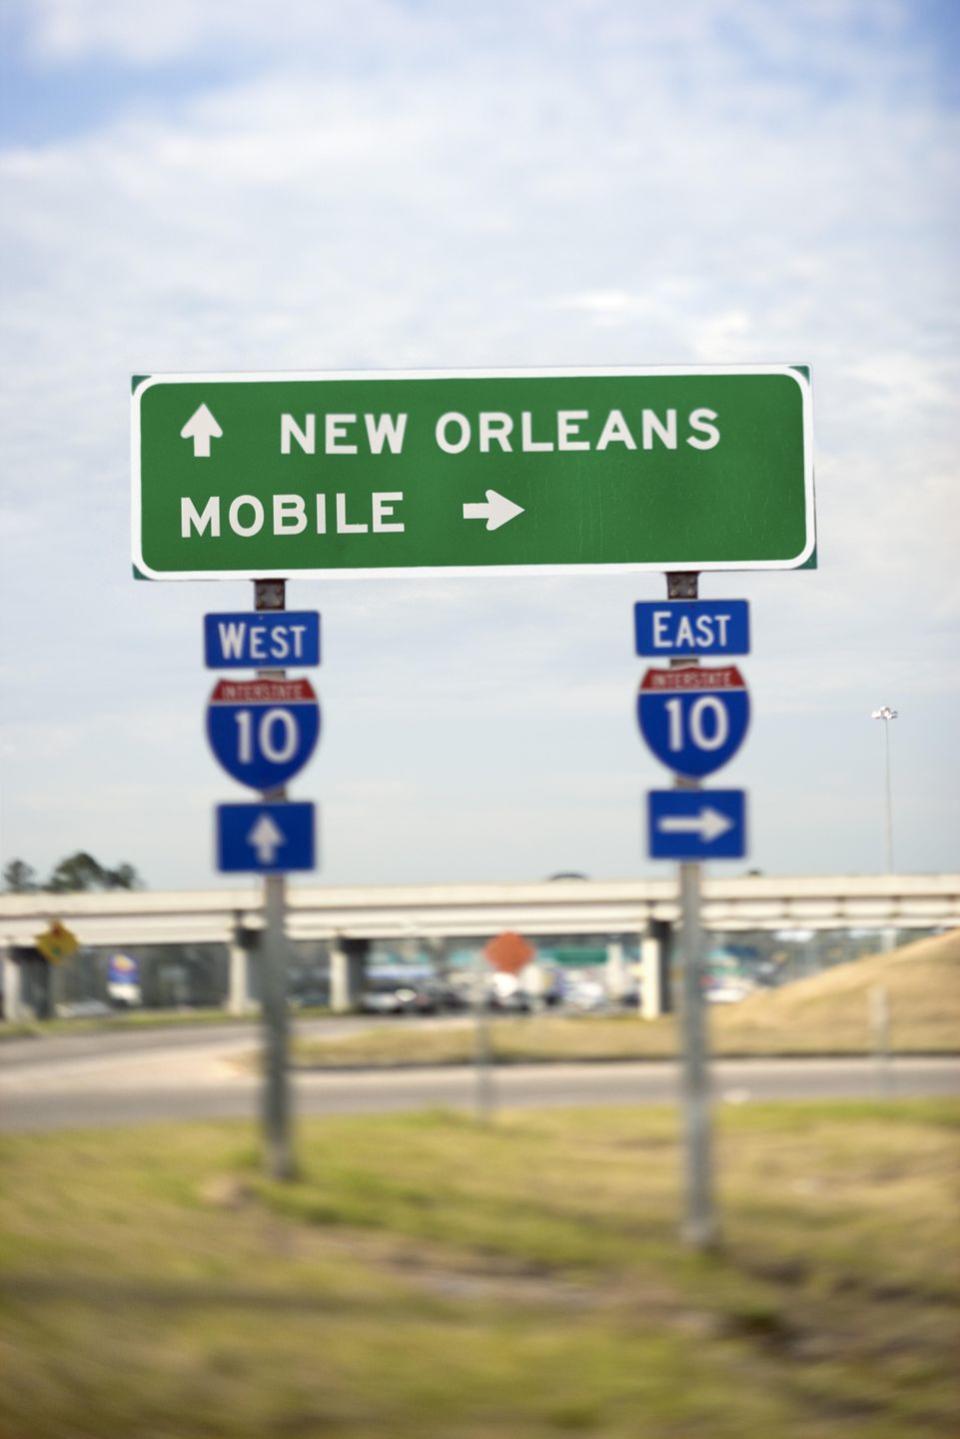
(348, 918)
(574, 907)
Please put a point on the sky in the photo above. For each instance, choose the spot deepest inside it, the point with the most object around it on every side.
(218, 185)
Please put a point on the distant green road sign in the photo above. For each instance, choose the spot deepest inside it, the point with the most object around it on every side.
(271, 475)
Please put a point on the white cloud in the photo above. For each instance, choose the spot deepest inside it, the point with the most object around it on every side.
(903, 383)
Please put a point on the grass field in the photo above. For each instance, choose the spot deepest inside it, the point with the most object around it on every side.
(826, 1014)
(135, 1019)
(428, 1278)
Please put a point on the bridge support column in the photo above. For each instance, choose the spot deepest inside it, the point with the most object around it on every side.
(239, 998)
(12, 986)
(348, 958)
(655, 991)
(616, 972)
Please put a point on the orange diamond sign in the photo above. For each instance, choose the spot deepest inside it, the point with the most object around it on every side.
(509, 952)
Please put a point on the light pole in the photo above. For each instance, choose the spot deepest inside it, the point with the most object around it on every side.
(886, 714)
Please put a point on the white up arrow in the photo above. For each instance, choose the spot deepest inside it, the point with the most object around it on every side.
(266, 839)
(495, 509)
(708, 823)
(201, 428)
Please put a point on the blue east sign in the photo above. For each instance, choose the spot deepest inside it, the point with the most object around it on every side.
(669, 629)
(263, 731)
(694, 718)
(690, 825)
(273, 838)
(283, 639)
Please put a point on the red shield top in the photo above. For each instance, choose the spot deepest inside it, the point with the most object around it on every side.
(263, 692)
(693, 677)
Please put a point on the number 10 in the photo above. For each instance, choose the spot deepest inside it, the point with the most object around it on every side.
(277, 753)
(707, 719)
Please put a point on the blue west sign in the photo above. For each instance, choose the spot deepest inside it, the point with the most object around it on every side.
(694, 719)
(263, 640)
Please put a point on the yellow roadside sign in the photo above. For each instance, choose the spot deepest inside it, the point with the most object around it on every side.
(57, 943)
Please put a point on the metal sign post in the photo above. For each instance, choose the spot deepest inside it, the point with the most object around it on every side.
(694, 720)
(700, 1226)
(485, 1097)
(271, 595)
(700, 1223)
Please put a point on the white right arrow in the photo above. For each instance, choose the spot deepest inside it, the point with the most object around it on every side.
(708, 823)
(266, 839)
(496, 509)
(201, 428)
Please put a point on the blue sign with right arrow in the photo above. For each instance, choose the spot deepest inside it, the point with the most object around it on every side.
(696, 824)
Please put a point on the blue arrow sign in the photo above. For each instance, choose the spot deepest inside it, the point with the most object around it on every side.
(691, 824)
(668, 629)
(261, 640)
(694, 719)
(265, 838)
(263, 731)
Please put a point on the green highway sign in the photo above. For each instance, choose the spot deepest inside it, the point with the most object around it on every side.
(259, 476)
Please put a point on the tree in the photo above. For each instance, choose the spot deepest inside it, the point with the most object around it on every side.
(124, 877)
(20, 878)
(81, 871)
(78, 871)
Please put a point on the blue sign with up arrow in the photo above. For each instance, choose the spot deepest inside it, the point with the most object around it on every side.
(274, 838)
(696, 824)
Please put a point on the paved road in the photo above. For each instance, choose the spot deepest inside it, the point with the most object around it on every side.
(97, 1080)
(56, 1048)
